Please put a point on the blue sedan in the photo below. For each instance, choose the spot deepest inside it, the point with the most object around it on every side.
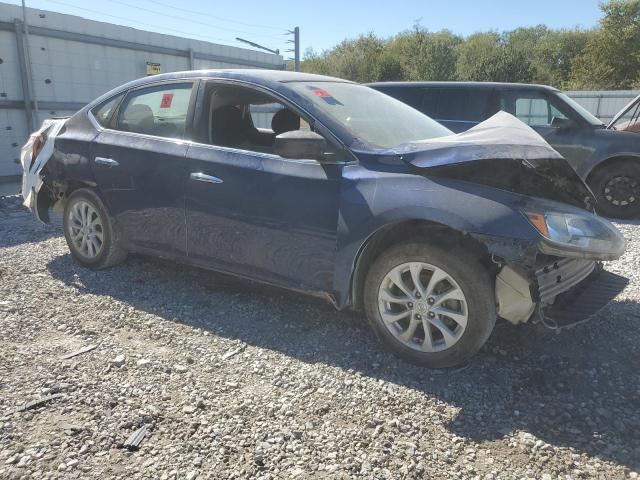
(331, 188)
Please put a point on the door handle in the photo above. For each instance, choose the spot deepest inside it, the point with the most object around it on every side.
(201, 177)
(109, 162)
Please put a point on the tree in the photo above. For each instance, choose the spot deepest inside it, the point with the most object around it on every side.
(603, 58)
(612, 57)
(555, 53)
(357, 60)
(488, 57)
(426, 55)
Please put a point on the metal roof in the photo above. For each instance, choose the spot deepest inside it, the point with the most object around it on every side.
(501, 85)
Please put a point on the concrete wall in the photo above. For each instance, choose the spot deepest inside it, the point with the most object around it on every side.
(74, 60)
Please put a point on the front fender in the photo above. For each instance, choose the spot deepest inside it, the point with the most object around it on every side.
(385, 199)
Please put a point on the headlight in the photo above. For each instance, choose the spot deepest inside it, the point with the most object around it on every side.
(577, 235)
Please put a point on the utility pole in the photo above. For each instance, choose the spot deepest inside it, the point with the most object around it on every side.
(296, 39)
(34, 120)
(296, 48)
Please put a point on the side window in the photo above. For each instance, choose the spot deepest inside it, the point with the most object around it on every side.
(534, 110)
(246, 119)
(160, 110)
(412, 96)
(262, 116)
(103, 112)
(430, 102)
(463, 104)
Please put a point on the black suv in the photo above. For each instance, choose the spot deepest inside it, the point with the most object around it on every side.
(606, 157)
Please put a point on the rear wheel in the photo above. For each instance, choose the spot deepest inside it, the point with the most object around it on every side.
(90, 232)
(617, 189)
(430, 306)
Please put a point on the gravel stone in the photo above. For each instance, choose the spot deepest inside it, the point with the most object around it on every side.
(118, 361)
(236, 380)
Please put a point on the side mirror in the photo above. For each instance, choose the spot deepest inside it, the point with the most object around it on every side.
(562, 123)
(298, 144)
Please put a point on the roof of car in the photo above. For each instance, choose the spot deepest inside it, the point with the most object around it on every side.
(463, 85)
(246, 74)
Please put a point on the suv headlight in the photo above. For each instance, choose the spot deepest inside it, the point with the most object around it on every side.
(572, 234)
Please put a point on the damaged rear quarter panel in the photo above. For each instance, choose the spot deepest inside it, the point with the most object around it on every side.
(69, 166)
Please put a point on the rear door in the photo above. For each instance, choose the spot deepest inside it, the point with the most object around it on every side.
(138, 162)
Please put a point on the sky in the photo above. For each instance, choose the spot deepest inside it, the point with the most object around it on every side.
(323, 24)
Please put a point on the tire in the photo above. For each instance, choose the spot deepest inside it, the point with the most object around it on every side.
(468, 276)
(93, 244)
(623, 203)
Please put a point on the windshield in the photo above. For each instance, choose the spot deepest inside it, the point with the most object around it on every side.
(583, 112)
(372, 117)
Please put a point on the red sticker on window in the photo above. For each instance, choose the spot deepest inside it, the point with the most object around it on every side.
(321, 93)
(167, 98)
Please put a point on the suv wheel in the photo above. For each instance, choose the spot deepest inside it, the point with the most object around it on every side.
(89, 231)
(617, 189)
(430, 306)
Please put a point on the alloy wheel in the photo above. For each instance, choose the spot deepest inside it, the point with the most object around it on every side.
(86, 231)
(423, 307)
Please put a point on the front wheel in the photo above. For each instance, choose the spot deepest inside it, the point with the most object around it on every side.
(431, 306)
(617, 190)
(90, 232)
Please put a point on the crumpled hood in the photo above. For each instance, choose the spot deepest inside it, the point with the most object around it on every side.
(501, 152)
(502, 136)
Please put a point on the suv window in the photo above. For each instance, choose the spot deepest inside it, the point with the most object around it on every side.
(533, 109)
(159, 110)
(464, 104)
(103, 112)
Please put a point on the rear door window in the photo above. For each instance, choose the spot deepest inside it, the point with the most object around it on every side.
(464, 104)
(102, 113)
(160, 110)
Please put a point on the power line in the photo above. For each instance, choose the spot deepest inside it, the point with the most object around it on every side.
(206, 24)
(196, 12)
(161, 27)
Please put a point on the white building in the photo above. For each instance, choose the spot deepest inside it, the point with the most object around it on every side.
(71, 60)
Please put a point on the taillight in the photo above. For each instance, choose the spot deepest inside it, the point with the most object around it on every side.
(36, 146)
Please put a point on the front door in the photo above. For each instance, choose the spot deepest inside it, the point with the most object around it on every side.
(263, 216)
(139, 165)
(252, 212)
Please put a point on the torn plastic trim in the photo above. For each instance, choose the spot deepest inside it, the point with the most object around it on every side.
(31, 169)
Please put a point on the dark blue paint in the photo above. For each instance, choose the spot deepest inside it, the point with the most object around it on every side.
(295, 223)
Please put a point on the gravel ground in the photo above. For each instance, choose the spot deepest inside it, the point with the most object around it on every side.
(238, 380)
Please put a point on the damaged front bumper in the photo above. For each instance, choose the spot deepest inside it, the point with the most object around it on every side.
(558, 293)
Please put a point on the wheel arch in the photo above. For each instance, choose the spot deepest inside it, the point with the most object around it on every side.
(608, 162)
(55, 193)
(403, 231)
